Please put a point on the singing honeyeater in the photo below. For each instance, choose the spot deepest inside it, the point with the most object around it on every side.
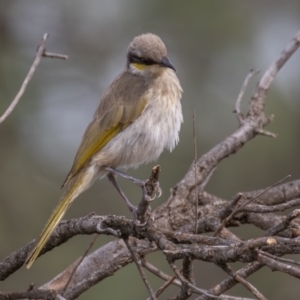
(138, 116)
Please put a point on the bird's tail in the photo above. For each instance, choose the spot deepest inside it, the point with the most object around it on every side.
(70, 193)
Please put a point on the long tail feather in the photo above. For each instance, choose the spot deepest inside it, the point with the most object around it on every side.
(69, 195)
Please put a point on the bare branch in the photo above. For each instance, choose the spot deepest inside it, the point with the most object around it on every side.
(41, 52)
(55, 55)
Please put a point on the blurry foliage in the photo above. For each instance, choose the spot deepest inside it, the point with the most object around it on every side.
(213, 44)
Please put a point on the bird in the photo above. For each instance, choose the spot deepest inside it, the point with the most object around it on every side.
(139, 115)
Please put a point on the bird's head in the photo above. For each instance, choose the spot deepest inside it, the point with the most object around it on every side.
(147, 55)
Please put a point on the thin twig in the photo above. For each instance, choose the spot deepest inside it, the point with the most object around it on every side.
(55, 55)
(266, 133)
(141, 271)
(79, 262)
(195, 165)
(41, 52)
(241, 95)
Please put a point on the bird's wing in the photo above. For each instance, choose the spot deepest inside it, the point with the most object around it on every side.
(109, 120)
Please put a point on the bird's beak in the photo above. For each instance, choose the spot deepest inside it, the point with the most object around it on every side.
(165, 62)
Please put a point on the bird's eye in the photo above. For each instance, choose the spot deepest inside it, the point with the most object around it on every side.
(140, 60)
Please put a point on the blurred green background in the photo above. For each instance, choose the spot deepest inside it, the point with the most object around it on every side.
(213, 44)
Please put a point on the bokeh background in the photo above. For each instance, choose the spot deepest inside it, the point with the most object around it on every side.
(213, 45)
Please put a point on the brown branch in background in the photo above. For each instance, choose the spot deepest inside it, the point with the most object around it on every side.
(41, 52)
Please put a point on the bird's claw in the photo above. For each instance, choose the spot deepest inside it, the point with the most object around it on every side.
(156, 193)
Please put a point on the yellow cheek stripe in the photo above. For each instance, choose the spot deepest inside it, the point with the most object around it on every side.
(139, 66)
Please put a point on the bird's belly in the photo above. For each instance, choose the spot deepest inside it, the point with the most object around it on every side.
(144, 140)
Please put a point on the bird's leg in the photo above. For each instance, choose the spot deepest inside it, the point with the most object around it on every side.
(112, 178)
(124, 175)
(150, 189)
(142, 183)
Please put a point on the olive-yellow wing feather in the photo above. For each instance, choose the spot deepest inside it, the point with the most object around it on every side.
(116, 112)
